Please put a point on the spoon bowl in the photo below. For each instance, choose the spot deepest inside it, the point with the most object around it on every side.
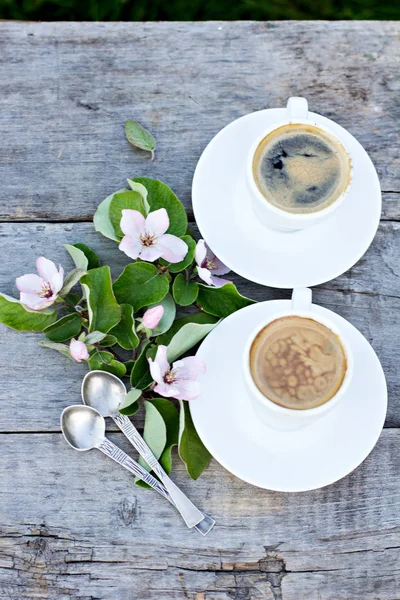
(103, 391)
(83, 427)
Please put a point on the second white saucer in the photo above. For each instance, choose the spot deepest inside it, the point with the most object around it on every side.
(280, 259)
(286, 461)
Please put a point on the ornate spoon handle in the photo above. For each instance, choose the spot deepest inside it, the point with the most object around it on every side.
(119, 456)
(190, 513)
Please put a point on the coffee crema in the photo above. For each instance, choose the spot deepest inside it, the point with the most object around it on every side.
(297, 362)
(300, 168)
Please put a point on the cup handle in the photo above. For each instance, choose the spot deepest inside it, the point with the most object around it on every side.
(297, 108)
(301, 300)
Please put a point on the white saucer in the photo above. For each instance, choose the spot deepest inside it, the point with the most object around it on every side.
(310, 458)
(280, 259)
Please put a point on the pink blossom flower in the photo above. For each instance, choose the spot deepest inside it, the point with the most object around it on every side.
(146, 237)
(208, 265)
(78, 350)
(152, 316)
(40, 291)
(180, 381)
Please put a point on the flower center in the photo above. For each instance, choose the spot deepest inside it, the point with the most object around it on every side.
(169, 377)
(46, 291)
(148, 239)
(209, 264)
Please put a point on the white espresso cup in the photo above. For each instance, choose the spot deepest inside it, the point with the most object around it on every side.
(271, 215)
(289, 419)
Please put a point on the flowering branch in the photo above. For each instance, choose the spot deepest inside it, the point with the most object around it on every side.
(137, 311)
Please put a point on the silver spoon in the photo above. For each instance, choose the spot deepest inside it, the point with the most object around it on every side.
(84, 428)
(105, 392)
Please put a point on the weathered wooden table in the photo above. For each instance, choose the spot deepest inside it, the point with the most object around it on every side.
(73, 526)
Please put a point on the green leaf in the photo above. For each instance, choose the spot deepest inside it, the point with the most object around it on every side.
(95, 337)
(140, 137)
(170, 415)
(138, 187)
(83, 257)
(104, 312)
(140, 285)
(140, 374)
(154, 432)
(108, 341)
(187, 261)
(161, 196)
(71, 279)
(222, 301)
(170, 427)
(121, 201)
(62, 348)
(15, 315)
(71, 300)
(101, 219)
(92, 258)
(184, 292)
(64, 329)
(187, 337)
(129, 364)
(78, 256)
(199, 317)
(191, 449)
(124, 331)
(168, 317)
(104, 361)
(130, 404)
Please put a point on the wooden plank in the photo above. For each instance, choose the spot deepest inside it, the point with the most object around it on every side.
(67, 88)
(37, 383)
(68, 532)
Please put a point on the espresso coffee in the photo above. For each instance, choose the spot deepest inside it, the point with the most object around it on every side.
(300, 168)
(297, 362)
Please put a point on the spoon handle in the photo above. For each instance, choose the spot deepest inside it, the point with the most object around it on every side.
(119, 456)
(190, 513)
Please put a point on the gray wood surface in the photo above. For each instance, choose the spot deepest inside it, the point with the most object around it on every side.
(71, 525)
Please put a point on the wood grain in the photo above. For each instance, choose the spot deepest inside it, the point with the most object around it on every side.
(75, 526)
(67, 89)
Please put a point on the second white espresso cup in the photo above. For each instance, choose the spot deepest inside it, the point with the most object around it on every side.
(272, 414)
(273, 216)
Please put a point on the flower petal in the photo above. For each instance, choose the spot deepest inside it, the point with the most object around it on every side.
(161, 359)
(132, 222)
(150, 253)
(173, 248)
(56, 282)
(30, 283)
(35, 302)
(160, 365)
(46, 268)
(218, 281)
(200, 252)
(131, 246)
(155, 371)
(189, 368)
(205, 275)
(187, 390)
(166, 389)
(157, 222)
